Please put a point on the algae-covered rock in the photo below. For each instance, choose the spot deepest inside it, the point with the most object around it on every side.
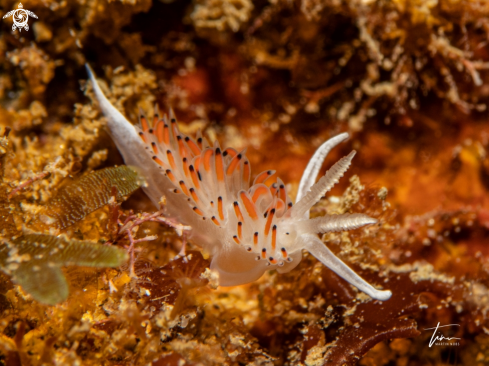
(407, 79)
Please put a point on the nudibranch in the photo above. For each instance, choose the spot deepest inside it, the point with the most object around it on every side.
(246, 229)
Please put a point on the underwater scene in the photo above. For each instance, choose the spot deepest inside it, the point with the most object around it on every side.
(244, 182)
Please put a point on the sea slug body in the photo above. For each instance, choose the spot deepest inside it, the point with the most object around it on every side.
(246, 228)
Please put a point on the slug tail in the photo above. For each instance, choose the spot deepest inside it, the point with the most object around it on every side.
(130, 145)
(120, 129)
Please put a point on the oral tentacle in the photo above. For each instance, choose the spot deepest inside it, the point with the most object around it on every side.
(317, 248)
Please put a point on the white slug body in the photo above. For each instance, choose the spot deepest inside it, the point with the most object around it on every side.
(246, 228)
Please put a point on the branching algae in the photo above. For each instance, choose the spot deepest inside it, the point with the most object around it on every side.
(34, 260)
(75, 201)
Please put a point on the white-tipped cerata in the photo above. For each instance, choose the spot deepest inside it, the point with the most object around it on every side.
(246, 228)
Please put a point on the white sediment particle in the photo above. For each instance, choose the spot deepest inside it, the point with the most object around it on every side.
(422, 271)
